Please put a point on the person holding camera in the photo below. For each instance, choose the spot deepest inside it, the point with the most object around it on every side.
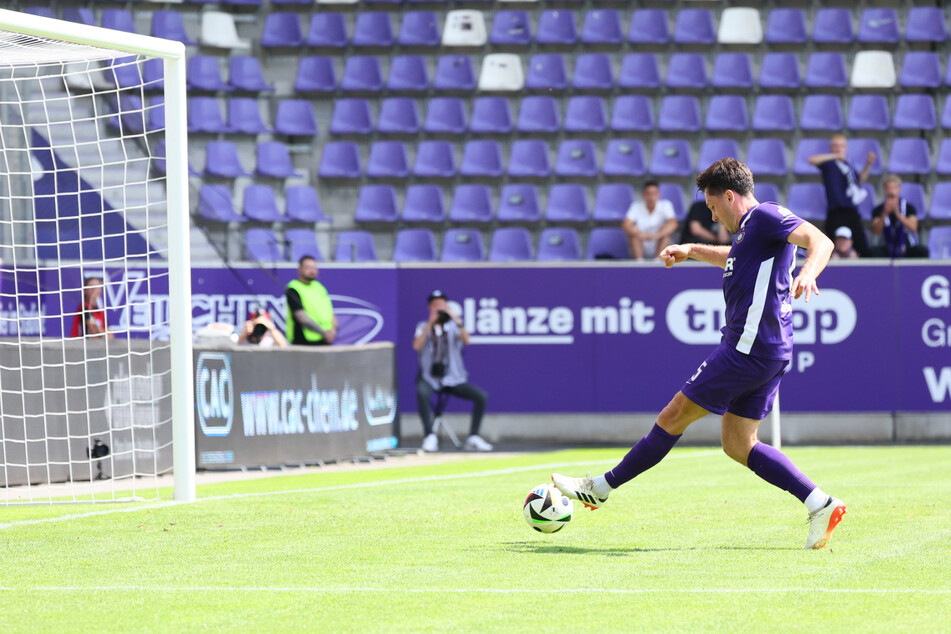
(438, 343)
(259, 330)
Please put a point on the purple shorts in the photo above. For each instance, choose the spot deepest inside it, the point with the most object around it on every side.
(729, 381)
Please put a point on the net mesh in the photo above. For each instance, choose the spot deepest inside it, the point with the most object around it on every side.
(85, 389)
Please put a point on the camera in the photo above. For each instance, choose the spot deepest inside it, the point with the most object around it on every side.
(442, 318)
(259, 329)
(438, 370)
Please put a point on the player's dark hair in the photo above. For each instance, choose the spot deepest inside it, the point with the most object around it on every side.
(727, 173)
(304, 258)
(651, 184)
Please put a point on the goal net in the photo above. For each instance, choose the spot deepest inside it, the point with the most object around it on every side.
(95, 387)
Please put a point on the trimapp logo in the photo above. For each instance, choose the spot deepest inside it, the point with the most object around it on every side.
(214, 393)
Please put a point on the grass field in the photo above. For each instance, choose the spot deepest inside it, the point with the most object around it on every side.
(696, 544)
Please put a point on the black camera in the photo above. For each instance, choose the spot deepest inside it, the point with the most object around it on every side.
(442, 318)
(259, 330)
(438, 370)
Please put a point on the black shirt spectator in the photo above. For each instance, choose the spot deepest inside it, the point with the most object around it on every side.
(700, 228)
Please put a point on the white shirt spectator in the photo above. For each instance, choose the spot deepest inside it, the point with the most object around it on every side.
(650, 221)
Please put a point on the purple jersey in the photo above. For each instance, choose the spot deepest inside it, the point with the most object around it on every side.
(756, 283)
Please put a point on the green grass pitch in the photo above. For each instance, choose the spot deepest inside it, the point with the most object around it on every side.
(696, 544)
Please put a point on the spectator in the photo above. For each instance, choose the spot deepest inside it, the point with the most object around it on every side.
(259, 330)
(90, 318)
(843, 245)
(897, 219)
(649, 223)
(844, 191)
(310, 314)
(438, 343)
(700, 227)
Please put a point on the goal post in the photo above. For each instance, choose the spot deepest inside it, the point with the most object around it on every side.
(87, 62)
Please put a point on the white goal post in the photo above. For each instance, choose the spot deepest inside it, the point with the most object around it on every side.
(83, 60)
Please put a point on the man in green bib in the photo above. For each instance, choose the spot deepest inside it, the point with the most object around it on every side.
(310, 314)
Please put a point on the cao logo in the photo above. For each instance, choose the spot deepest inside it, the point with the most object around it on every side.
(214, 393)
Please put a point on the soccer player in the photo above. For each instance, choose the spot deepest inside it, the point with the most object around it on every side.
(740, 379)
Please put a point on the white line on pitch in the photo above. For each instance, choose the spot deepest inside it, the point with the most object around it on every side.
(340, 487)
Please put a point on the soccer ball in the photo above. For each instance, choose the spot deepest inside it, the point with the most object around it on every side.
(546, 509)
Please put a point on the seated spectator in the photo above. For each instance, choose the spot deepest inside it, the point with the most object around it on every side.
(897, 220)
(843, 185)
(90, 318)
(259, 330)
(649, 223)
(843, 245)
(700, 228)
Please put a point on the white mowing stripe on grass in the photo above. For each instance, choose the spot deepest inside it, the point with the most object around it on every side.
(339, 487)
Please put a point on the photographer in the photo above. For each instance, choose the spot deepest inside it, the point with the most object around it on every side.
(259, 330)
(438, 343)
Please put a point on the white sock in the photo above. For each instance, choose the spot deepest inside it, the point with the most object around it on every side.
(601, 485)
(816, 500)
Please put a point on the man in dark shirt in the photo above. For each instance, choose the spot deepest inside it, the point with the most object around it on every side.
(897, 219)
(310, 318)
(844, 191)
(700, 227)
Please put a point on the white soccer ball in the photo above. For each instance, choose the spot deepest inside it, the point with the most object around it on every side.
(546, 509)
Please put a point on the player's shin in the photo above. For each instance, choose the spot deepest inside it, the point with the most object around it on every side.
(773, 466)
(648, 451)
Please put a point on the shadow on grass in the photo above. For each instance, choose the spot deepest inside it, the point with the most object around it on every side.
(550, 549)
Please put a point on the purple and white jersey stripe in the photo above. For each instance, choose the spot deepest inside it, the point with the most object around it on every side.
(756, 283)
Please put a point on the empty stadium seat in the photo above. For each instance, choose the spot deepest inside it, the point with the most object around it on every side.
(118, 20)
(767, 157)
(244, 73)
(808, 201)
(482, 158)
(471, 203)
(491, 115)
(315, 74)
(833, 26)
(546, 71)
(295, 117)
(946, 114)
(915, 112)
(687, 70)
(679, 113)
(511, 244)
(274, 160)
(221, 159)
(169, 25)
(388, 159)
(910, 155)
(445, 115)
(925, 24)
(826, 70)
(464, 28)
(859, 147)
(463, 245)
(943, 164)
(351, 116)
(727, 113)
(419, 28)
(153, 74)
(576, 158)
(244, 116)
(712, 150)
(671, 157)
(260, 204)
(327, 30)
(624, 157)
(373, 29)
(362, 73)
(398, 115)
(300, 243)
(567, 202)
(873, 69)
(939, 243)
(519, 203)
(355, 246)
(340, 159)
(282, 29)
(920, 69)
(612, 202)
(648, 26)
(868, 112)
(303, 205)
(203, 73)
(501, 72)
(454, 72)
(559, 244)
(602, 26)
(511, 28)
(805, 149)
(424, 203)
(260, 245)
(408, 74)
(77, 15)
(593, 72)
(218, 31)
(377, 203)
(786, 26)
(586, 114)
(774, 112)
(538, 114)
(780, 71)
(694, 26)
(941, 201)
(639, 70)
(528, 158)
(879, 25)
(766, 192)
(821, 112)
(435, 159)
(632, 112)
(607, 243)
(675, 194)
(914, 193)
(43, 12)
(732, 70)
(740, 25)
(557, 26)
(214, 203)
(414, 245)
(124, 73)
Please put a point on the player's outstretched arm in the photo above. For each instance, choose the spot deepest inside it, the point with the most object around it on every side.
(819, 249)
(711, 254)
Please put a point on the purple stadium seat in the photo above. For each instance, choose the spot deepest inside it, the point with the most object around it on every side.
(808, 201)
(567, 202)
(639, 70)
(124, 73)
(713, 150)
(732, 70)
(780, 70)
(925, 24)
(398, 115)
(454, 72)
(419, 28)
(362, 73)
(547, 71)
(602, 26)
(155, 117)
(833, 26)
(355, 246)
(612, 202)
(491, 115)
(859, 149)
(624, 157)
(435, 159)
(118, 20)
(727, 113)
(786, 26)
(244, 116)
(424, 203)
(388, 159)
(214, 203)
(915, 112)
(511, 28)
(946, 114)
(373, 28)
(593, 72)
(632, 113)
(408, 74)
(511, 244)
(131, 119)
(153, 74)
(821, 112)
(914, 193)
(879, 26)
(939, 243)
(301, 242)
(910, 155)
(941, 201)
(576, 158)
(471, 203)
(649, 26)
(79, 16)
(316, 74)
(671, 157)
(260, 204)
(463, 245)
(303, 204)
(694, 26)
(414, 245)
(766, 192)
(921, 69)
(559, 244)
(282, 29)
(260, 245)
(351, 116)
(204, 74)
(445, 115)
(943, 165)
(244, 73)
(687, 70)
(538, 114)
(528, 158)
(341, 159)
(557, 26)
(774, 112)
(675, 194)
(586, 114)
(204, 115)
(327, 30)
(767, 157)
(274, 160)
(805, 149)
(295, 117)
(679, 113)
(826, 70)
(482, 158)
(607, 243)
(170, 26)
(377, 203)
(519, 203)
(43, 12)
(869, 112)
